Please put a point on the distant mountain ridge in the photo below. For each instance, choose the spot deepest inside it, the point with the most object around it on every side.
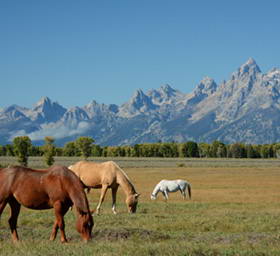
(245, 108)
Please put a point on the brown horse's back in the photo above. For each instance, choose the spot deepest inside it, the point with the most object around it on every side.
(37, 189)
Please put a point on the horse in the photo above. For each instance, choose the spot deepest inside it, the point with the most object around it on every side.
(56, 187)
(166, 186)
(106, 175)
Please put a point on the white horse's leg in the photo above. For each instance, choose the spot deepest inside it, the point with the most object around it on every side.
(184, 193)
(165, 194)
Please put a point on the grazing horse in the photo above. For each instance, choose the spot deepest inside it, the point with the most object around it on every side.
(166, 186)
(56, 187)
(106, 175)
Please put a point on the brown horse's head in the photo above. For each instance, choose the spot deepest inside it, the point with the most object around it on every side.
(131, 202)
(84, 225)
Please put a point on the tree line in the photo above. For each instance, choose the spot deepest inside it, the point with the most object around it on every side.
(84, 147)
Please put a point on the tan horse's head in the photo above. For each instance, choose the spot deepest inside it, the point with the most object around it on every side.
(131, 202)
(84, 225)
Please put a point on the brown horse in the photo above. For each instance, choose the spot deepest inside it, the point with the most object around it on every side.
(106, 175)
(56, 187)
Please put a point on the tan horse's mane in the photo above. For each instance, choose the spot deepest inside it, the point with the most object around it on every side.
(124, 175)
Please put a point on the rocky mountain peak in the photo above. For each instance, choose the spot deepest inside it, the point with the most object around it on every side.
(167, 90)
(75, 114)
(139, 103)
(138, 95)
(13, 112)
(249, 68)
(206, 86)
(44, 101)
(46, 111)
(274, 73)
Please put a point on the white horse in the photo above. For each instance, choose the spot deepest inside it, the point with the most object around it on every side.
(166, 186)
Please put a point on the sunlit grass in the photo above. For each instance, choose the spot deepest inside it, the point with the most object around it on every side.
(233, 211)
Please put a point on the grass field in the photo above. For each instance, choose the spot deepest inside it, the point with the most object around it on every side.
(235, 210)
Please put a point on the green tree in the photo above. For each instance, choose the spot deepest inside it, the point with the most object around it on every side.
(214, 148)
(237, 150)
(266, 151)
(192, 149)
(2, 151)
(35, 151)
(70, 149)
(165, 150)
(250, 151)
(49, 150)
(84, 144)
(58, 151)
(96, 150)
(276, 150)
(136, 150)
(9, 150)
(221, 151)
(204, 149)
(22, 145)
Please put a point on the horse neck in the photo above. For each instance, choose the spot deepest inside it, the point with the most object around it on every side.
(79, 200)
(125, 183)
(156, 190)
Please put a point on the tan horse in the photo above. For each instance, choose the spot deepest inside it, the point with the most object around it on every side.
(56, 187)
(106, 175)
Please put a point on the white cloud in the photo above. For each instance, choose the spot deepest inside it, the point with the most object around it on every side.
(56, 130)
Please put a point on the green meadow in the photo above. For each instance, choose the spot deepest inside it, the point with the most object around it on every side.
(235, 210)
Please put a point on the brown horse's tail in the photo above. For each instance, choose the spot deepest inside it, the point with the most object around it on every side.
(190, 191)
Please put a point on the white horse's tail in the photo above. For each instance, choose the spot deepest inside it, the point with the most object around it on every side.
(189, 190)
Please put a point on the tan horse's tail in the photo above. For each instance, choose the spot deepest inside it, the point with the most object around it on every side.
(190, 191)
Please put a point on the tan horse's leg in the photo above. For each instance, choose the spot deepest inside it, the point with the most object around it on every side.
(15, 208)
(102, 196)
(59, 212)
(114, 198)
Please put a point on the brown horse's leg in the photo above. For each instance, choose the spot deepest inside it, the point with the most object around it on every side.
(2, 206)
(114, 197)
(54, 230)
(59, 211)
(101, 199)
(15, 208)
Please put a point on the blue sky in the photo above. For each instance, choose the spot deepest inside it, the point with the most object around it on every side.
(78, 51)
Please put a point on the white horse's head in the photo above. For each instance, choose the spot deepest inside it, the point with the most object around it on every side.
(153, 197)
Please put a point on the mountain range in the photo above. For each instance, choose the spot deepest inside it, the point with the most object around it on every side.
(246, 108)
